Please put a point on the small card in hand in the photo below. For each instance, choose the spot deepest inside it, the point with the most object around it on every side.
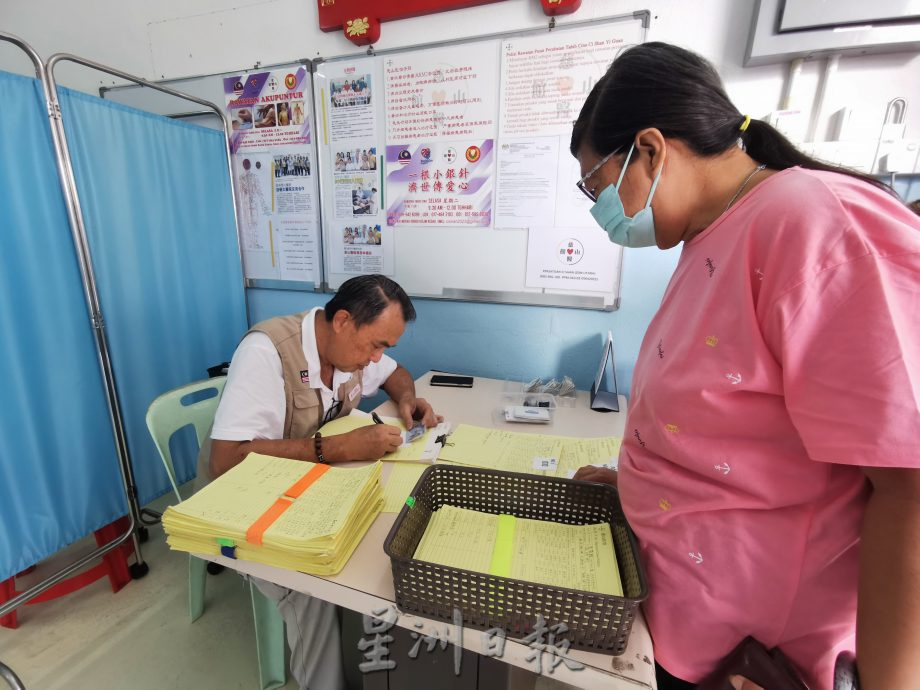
(769, 669)
(417, 431)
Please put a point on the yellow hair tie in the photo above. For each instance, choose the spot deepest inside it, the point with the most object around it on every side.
(744, 125)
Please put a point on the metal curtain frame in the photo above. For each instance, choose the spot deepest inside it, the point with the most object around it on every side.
(78, 229)
(139, 569)
(317, 286)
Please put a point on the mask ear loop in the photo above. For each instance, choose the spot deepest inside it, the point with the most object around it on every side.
(625, 164)
(651, 192)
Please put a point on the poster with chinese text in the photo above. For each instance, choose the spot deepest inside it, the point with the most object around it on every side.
(441, 122)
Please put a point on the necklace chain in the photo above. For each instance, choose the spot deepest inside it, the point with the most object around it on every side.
(744, 184)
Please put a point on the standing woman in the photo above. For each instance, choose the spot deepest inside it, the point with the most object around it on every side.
(771, 465)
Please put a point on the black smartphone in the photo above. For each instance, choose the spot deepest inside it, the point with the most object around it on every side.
(455, 381)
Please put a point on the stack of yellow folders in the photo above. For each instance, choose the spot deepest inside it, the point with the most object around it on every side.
(286, 513)
(549, 553)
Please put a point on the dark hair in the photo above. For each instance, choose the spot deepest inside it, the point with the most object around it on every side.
(679, 93)
(365, 298)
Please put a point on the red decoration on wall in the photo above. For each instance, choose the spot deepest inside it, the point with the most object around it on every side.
(360, 20)
(551, 8)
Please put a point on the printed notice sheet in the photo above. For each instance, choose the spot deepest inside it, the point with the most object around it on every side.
(572, 259)
(545, 81)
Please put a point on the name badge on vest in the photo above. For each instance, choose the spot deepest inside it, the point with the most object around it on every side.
(304, 376)
(355, 392)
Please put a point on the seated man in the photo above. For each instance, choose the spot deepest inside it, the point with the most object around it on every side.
(289, 376)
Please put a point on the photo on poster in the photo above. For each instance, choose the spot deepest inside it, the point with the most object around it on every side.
(365, 201)
(241, 118)
(361, 234)
(350, 92)
(355, 159)
(266, 115)
(288, 164)
(356, 194)
(297, 113)
(440, 183)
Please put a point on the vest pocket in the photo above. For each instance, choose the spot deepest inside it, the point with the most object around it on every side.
(304, 399)
(307, 413)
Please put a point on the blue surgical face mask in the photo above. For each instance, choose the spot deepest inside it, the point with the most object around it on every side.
(638, 231)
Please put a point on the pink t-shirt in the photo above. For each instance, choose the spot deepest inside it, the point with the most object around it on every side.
(784, 356)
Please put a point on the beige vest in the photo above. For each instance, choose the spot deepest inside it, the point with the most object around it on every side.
(303, 405)
(303, 414)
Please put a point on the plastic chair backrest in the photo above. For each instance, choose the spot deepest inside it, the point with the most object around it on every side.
(167, 414)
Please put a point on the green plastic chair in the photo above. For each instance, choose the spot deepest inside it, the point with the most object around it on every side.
(165, 416)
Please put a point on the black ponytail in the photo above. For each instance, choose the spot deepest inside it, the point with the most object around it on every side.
(680, 93)
(766, 144)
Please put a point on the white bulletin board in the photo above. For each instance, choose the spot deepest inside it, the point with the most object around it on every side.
(447, 167)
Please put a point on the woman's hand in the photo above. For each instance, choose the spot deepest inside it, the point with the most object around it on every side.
(592, 473)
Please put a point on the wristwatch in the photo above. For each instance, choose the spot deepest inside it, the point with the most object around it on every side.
(318, 446)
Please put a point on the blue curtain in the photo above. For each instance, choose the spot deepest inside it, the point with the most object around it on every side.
(156, 202)
(59, 477)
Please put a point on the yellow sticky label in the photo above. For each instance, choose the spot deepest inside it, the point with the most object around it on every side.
(503, 553)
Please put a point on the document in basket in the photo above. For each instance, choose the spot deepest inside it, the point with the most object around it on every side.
(573, 556)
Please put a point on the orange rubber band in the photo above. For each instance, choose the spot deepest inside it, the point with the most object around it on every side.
(257, 530)
(305, 481)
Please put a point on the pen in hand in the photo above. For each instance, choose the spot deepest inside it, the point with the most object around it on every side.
(376, 418)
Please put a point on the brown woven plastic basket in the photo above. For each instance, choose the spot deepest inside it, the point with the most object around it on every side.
(596, 622)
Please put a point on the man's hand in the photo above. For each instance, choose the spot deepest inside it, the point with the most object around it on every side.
(371, 442)
(412, 409)
(590, 473)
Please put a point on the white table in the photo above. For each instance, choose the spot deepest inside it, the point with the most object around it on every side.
(366, 582)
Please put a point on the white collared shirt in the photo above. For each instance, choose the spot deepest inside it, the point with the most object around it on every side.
(252, 405)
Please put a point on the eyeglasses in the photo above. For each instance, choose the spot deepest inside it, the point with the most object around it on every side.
(581, 183)
(333, 411)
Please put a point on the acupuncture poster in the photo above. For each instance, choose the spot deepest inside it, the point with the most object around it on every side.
(274, 173)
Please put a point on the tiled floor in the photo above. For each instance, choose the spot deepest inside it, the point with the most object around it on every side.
(141, 637)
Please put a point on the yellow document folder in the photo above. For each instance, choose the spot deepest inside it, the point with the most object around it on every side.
(281, 512)
(550, 553)
(423, 449)
(513, 451)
